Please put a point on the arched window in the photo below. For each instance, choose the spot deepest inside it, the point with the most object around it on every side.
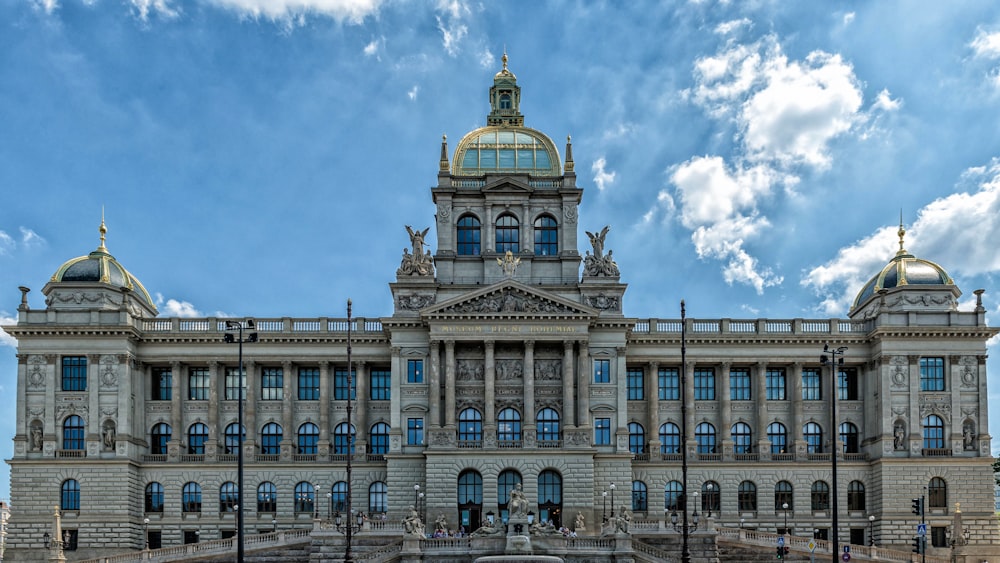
(470, 426)
(509, 425)
(305, 498)
(742, 438)
(747, 496)
(270, 439)
(73, 433)
(672, 493)
(69, 498)
(639, 503)
(378, 440)
(670, 438)
(505, 102)
(470, 498)
(308, 438)
(506, 481)
(933, 432)
(704, 434)
(547, 426)
(711, 498)
(849, 437)
(154, 497)
(550, 497)
(378, 497)
(636, 438)
(159, 436)
(783, 496)
(229, 497)
(468, 236)
(507, 234)
(338, 496)
(267, 497)
(819, 496)
(191, 497)
(813, 435)
(856, 496)
(546, 236)
(937, 493)
(343, 439)
(778, 436)
(197, 435)
(234, 436)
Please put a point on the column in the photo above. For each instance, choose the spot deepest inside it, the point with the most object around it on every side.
(93, 421)
(434, 386)
(528, 417)
(176, 411)
(759, 375)
(689, 401)
(324, 402)
(583, 408)
(361, 406)
(569, 413)
(653, 406)
(214, 381)
(250, 404)
(725, 409)
(287, 396)
(490, 384)
(397, 374)
(798, 418)
(449, 383)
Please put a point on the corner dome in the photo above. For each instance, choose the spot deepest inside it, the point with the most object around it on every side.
(101, 267)
(904, 269)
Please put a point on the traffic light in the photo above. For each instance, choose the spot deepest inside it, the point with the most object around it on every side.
(787, 549)
(781, 552)
(918, 506)
(918, 545)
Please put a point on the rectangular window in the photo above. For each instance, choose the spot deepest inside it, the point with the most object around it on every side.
(155, 539)
(669, 384)
(162, 384)
(636, 381)
(739, 384)
(602, 432)
(340, 384)
(847, 384)
(74, 373)
(931, 374)
(198, 385)
(236, 384)
(70, 539)
(414, 371)
(381, 383)
(272, 384)
(308, 384)
(775, 381)
(812, 386)
(704, 384)
(939, 536)
(415, 431)
(602, 371)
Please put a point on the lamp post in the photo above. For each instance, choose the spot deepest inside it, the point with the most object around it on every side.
(329, 506)
(604, 508)
(784, 528)
(145, 533)
(350, 528)
(685, 526)
(315, 501)
(685, 548)
(871, 530)
(709, 499)
(834, 363)
(251, 336)
(612, 487)
(274, 525)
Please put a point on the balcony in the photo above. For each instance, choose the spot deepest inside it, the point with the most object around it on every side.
(936, 452)
(69, 454)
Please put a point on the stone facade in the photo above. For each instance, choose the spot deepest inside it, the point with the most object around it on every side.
(500, 364)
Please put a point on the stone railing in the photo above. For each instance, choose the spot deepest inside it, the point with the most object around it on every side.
(801, 544)
(193, 551)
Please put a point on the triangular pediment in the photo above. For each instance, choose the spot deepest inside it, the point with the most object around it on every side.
(509, 298)
(507, 184)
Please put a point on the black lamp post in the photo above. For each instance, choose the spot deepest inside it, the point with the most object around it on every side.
(685, 526)
(685, 548)
(612, 487)
(834, 363)
(871, 530)
(604, 509)
(145, 532)
(329, 506)
(784, 528)
(239, 338)
(349, 528)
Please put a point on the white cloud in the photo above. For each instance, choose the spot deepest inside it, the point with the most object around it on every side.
(849, 18)
(351, 11)
(486, 59)
(6, 243)
(374, 48)
(725, 28)
(142, 9)
(450, 24)
(47, 6)
(30, 238)
(602, 178)
(986, 45)
(664, 205)
(884, 101)
(175, 308)
(618, 131)
(412, 94)
(6, 339)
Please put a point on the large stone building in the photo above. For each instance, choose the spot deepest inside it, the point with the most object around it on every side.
(501, 364)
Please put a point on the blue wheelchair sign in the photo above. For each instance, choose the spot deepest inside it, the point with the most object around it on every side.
(781, 541)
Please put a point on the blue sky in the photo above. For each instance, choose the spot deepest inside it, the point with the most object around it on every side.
(261, 157)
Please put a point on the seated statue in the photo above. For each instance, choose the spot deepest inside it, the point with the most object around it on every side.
(486, 530)
(412, 525)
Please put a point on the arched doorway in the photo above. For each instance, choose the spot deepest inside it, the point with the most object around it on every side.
(470, 499)
(550, 497)
(506, 482)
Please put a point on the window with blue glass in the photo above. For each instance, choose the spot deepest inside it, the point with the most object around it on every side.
(704, 384)
(378, 438)
(783, 495)
(639, 496)
(343, 439)
(154, 497)
(669, 384)
(73, 433)
(602, 431)
(162, 384)
(507, 481)
(546, 236)
(381, 383)
(468, 236)
(272, 384)
(470, 425)
(933, 432)
(378, 497)
(159, 437)
(549, 496)
(74, 373)
(742, 437)
(509, 425)
(267, 497)
(339, 496)
(636, 383)
(305, 498)
(414, 371)
(739, 384)
(812, 386)
(236, 384)
(228, 497)
(308, 384)
(191, 497)
(547, 426)
(746, 496)
(507, 229)
(341, 382)
(308, 438)
(69, 498)
(198, 386)
(670, 438)
(813, 435)
(270, 438)
(673, 494)
(704, 435)
(197, 435)
(415, 431)
(847, 384)
(850, 437)
(778, 436)
(602, 371)
(775, 383)
(932, 374)
(636, 438)
(234, 436)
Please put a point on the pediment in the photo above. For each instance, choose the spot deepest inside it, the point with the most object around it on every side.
(506, 299)
(507, 184)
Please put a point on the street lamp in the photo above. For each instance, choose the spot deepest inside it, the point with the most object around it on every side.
(349, 528)
(784, 529)
(251, 336)
(145, 532)
(709, 499)
(604, 509)
(274, 525)
(315, 501)
(685, 548)
(329, 506)
(834, 363)
(612, 487)
(871, 530)
(685, 526)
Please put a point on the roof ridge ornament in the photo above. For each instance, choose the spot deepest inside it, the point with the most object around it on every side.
(103, 229)
(902, 233)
